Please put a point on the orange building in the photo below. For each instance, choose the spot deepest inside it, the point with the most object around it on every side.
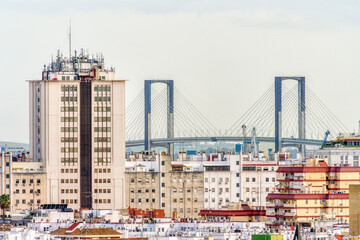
(156, 213)
(311, 192)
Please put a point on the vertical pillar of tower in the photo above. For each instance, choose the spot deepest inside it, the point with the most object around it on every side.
(170, 115)
(147, 100)
(278, 116)
(301, 112)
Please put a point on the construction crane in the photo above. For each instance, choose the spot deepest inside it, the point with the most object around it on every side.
(254, 145)
(326, 136)
(245, 141)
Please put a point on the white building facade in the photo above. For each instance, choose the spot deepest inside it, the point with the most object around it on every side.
(338, 155)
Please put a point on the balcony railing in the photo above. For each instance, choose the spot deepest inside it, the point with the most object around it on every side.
(289, 205)
(289, 214)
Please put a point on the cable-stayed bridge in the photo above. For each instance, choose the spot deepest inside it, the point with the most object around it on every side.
(292, 116)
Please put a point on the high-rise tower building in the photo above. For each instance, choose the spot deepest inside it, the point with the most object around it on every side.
(77, 128)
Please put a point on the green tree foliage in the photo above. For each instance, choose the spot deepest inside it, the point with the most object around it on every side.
(4, 204)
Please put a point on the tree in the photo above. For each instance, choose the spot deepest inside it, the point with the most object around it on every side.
(4, 204)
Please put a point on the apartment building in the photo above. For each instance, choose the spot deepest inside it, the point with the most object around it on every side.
(77, 130)
(258, 179)
(182, 188)
(311, 192)
(23, 181)
(143, 181)
(192, 182)
(218, 181)
(154, 181)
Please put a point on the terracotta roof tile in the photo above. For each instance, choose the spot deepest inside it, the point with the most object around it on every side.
(87, 231)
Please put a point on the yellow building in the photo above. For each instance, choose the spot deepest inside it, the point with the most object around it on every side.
(311, 192)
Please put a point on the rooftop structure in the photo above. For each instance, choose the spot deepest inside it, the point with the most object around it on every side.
(77, 67)
(245, 214)
(344, 151)
(76, 231)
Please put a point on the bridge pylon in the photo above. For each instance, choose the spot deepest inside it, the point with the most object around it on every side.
(170, 113)
(278, 110)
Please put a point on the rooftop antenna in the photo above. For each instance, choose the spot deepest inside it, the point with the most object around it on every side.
(70, 38)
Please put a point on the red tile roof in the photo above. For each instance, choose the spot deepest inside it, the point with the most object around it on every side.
(72, 227)
(108, 232)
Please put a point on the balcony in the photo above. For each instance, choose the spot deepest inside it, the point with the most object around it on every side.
(279, 204)
(289, 205)
(299, 178)
(280, 213)
(289, 214)
(270, 213)
(291, 178)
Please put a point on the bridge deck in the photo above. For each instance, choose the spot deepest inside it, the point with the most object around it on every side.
(164, 141)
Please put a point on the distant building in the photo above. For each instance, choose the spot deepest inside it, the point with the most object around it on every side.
(344, 151)
(77, 130)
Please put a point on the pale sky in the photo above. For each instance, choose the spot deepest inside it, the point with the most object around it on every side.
(223, 55)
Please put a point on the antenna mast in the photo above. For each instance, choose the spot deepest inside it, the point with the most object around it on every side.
(70, 38)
